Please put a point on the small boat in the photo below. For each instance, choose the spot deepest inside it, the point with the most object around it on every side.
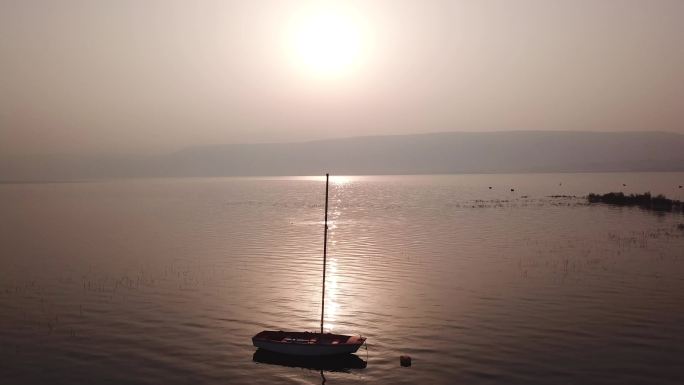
(308, 343)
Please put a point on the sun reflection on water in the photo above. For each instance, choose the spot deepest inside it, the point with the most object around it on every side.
(340, 180)
(331, 290)
(337, 180)
(332, 305)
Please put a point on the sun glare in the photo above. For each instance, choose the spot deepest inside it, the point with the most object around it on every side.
(326, 42)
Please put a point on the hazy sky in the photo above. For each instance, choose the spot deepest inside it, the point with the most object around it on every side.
(130, 75)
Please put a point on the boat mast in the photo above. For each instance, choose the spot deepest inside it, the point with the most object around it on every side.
(325, 250)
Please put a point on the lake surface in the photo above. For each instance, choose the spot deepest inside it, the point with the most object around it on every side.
(166, 280)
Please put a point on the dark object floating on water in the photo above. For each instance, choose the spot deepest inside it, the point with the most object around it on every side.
(512, 189)
(490, 187)
(342, 363)
(644, 201)
(680, 186)
(405, 361)
(624, 185)
(305, 343)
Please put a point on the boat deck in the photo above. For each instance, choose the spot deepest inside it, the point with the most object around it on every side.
(305, 338)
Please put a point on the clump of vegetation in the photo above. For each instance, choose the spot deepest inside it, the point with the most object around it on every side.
(645, 201)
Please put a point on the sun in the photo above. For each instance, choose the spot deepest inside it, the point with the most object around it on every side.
(326, 42)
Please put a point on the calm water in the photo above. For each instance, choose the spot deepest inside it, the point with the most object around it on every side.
(165, 281)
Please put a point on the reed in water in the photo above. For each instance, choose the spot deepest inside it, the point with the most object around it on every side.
(645, 201)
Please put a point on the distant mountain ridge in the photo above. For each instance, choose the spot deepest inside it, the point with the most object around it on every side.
(437, 153)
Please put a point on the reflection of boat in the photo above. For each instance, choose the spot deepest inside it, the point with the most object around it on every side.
(305, 343)
(340, 363)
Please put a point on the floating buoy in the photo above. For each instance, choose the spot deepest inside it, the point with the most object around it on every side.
(490, 187)
(512, 189)
(405, 361)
